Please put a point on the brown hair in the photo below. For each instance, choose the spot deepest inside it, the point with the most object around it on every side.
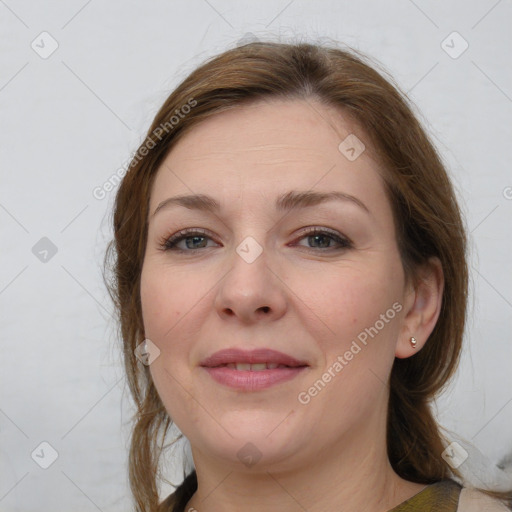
(427, 219)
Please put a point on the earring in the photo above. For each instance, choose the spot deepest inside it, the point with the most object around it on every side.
(413, 342)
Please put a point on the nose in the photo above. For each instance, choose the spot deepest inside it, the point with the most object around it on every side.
(251, 291)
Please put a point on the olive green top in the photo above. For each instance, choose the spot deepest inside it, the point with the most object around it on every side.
(441, 496)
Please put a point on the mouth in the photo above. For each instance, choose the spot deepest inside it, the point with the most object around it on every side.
(252, 370)
(257, 367)
(254, 358)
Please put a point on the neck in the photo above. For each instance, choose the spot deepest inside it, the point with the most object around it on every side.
(354, 476)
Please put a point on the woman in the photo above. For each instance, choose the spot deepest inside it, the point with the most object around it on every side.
(290, 269)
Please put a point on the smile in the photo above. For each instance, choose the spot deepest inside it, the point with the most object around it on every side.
(253, 377)
(257, 367)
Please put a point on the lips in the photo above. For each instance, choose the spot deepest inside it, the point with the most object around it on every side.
(252, 370)
(251, 359)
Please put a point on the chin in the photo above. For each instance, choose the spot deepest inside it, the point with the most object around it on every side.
(253, 443)
(255, 455)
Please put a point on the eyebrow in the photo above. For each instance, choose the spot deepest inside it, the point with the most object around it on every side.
(284, 203)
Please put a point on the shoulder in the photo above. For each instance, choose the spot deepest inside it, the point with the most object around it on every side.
(473, 500)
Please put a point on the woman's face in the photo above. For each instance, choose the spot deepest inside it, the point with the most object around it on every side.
(252, 274)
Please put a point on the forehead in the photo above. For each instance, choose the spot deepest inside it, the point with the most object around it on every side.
(270, 147)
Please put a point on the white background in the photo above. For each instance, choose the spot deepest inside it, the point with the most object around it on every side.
(69, 121)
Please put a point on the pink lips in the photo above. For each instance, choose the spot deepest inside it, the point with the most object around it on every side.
(251, 380)
(262, 355)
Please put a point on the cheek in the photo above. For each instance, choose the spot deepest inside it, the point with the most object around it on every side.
(345, 299)
(165, 297)
(355, 324)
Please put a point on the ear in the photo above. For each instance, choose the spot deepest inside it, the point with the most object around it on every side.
(422, 308)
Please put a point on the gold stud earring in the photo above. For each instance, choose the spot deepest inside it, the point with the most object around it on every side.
(413, 342)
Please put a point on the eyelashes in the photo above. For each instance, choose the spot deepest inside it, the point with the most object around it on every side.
(170, 244)
(199, 239)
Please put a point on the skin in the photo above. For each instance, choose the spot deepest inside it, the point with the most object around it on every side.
(297, 297)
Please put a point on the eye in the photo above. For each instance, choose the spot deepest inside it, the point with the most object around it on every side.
(323, 238)
(192, 238)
